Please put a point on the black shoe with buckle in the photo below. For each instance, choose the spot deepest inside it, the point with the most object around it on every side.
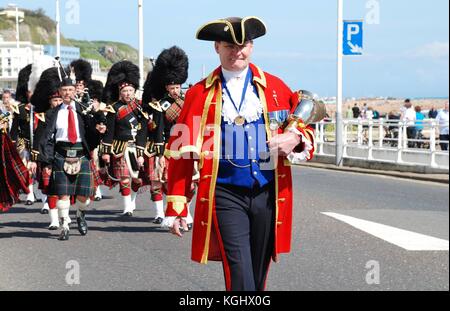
(158, 221)
(82, 225)
(64, 235)
(44, 211)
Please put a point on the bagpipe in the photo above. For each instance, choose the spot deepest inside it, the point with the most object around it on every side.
(91, 108)
(4, 121)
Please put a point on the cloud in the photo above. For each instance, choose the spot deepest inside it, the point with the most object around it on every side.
(297, 56)
(431, 51)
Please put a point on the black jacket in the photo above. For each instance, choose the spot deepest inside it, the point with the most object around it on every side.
(20, 127)
(121, 128)
(90, 137)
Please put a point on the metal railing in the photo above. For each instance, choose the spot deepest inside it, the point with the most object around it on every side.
(378, 137)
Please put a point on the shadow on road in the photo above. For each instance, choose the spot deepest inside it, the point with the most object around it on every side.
(123, 229)
(30, 234)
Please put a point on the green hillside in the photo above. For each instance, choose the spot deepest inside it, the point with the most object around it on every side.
(41, 29)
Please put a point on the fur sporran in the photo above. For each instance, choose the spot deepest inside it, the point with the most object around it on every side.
(72, 166)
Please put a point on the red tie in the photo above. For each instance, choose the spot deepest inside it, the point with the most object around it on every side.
(72, 130)
(36, 121)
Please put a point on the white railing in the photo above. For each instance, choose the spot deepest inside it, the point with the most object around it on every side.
(384, 140)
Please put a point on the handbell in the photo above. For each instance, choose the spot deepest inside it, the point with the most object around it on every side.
(310, 109)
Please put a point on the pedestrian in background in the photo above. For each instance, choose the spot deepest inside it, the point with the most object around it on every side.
(442, 121)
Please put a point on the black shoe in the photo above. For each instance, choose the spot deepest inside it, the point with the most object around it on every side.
(158, 221)
(97, 199)
(189, 227)
(82, 225)
(64, 236)
(44, 211)
(128, 214)
(53, 228)
(29, 203)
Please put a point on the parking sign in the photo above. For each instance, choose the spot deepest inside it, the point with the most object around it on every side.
(353, 37)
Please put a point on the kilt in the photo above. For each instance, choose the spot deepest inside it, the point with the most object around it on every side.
(79, 185)
(97, 178)
(151, 174)
(120, 168)
(13, 174)
(43, 179)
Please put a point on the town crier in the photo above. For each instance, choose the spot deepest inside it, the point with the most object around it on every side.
(234, 123)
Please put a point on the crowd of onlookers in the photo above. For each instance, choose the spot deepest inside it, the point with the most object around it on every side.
(412, 117)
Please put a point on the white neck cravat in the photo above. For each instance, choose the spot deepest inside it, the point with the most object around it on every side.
(251, 108)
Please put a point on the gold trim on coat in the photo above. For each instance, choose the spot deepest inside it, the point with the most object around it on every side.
(215, 169)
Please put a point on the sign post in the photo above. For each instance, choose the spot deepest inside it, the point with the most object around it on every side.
(350, 42)
(339, 119)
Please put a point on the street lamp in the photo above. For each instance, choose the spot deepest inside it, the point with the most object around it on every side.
(58, 30)
(18, 21)
(141, 43)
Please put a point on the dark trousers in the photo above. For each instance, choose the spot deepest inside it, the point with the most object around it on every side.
(411, 134)
(444, 145)
(246, 223)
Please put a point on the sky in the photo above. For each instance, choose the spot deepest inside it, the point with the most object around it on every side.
(406, 45)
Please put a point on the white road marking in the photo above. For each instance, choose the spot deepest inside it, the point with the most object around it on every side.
(408, 240)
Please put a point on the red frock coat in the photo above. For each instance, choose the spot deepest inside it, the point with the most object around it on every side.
(197, 137)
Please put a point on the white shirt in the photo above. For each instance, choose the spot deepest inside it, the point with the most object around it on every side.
(62, 123)
(251, 108)
(442, 121)
(409, 117)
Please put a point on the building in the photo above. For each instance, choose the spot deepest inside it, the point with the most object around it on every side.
(12, 60)
(68, 53)
(10, 12)
(95, 65)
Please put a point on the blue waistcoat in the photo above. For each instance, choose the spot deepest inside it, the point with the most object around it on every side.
(245, 158)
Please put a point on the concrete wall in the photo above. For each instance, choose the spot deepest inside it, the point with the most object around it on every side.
(380, 165)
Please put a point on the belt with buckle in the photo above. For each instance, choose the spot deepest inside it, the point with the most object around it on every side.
(70, 153)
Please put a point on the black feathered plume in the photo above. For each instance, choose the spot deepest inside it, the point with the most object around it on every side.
(122, 72)
(171, 68)
(82, 69)
(47, 87)
(95, 89)
(22, 84)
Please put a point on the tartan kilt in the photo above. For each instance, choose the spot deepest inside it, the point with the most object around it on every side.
(95, 165)
(79, 185)
(120, 168)
(43, 179)
(14, 176)
(97, 178)
(151, 174)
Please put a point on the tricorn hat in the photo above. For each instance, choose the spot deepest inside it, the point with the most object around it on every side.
(46, 89)
(122, 74)
(234, 30)
(82, 69)
(171, 67)
(22, 85)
